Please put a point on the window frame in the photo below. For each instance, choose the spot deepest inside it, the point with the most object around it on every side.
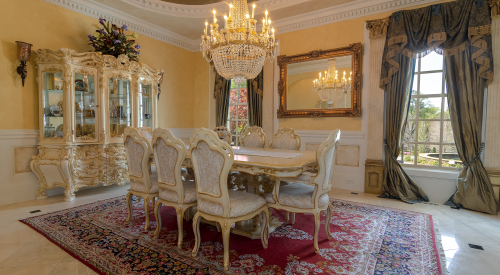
(237, 120)
(443, 95)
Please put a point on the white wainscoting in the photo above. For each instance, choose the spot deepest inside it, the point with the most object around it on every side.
(20, 186)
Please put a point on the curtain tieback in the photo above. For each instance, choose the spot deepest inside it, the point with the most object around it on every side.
(389, 150)
(477, 157)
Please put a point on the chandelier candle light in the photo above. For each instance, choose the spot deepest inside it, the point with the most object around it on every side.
(330, 87)
(237, 50)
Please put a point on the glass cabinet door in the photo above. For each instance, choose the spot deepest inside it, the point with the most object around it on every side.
(146, 106)
(52, 100)
(85, 102)
(120, 106)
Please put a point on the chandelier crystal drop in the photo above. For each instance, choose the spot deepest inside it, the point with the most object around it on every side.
(237, 50)
(330, 87)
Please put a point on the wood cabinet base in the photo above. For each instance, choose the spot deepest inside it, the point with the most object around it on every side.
(374, 175)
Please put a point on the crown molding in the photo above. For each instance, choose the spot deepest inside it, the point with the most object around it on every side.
(348, 11)
(96, 10)
(326, 16)
(205, 11)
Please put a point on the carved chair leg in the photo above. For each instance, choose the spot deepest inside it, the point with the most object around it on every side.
(146, 213)
(129, 205)
(264, 233)
(154, 202)
(226, 231)
(292, 218)
(196, 230)
(316, 231)
(218, 226)
(180, 228)
(329, 215)
(158, 219)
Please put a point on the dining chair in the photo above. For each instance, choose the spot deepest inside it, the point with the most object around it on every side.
(170, 153)
(253, 137)
(212, 160)
(143, 182)
(221, 130)
(146, 132)
(285, 139)
(310, 198)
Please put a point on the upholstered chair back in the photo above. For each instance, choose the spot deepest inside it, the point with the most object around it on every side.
(253, 137)
(146, 132)
(212, 160)
(325, 157)
(138, 150)
(285, 139)
(170, 153)
(229, 137)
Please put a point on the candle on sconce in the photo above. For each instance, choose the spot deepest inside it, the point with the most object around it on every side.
(206, 26)
(253, 10)
(266, 15)
(248, 20)
(225, 19)
(215, 19)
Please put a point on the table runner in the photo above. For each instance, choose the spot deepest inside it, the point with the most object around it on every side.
(272, 154)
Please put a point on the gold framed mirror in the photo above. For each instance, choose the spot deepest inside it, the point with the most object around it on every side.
(324, 83)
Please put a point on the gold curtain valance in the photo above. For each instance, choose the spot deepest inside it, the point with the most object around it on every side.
(447, 28)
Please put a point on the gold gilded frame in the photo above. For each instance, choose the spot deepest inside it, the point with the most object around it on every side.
(354, 111)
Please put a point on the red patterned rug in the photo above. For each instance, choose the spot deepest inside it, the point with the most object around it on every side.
(367, 239)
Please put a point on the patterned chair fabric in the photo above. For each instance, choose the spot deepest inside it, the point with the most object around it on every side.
(308, 193)
(212, 160)
(170, 153)
(285, 139)
(143, 181)
(253, 137)
(146, 132)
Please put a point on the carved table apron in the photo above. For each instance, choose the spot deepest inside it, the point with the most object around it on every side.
(258, 175)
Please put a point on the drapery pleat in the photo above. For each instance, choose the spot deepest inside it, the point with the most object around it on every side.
(255, 89)
(221, 94)
(465, 101)
(447, 28)
(397, 184)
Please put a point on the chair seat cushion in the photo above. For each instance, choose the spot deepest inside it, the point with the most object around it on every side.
(306, 177)
(241, 203)
(141, 187)
(297, 195)
(189, 193)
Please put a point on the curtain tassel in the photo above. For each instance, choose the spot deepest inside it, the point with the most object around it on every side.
(477, 157)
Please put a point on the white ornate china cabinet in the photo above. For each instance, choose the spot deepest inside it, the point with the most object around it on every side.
(86, 100)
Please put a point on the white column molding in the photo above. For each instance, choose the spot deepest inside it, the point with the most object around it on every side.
(374, 165)
(492, 142)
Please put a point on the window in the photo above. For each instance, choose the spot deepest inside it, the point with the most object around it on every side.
(237, 117)
(428, 137)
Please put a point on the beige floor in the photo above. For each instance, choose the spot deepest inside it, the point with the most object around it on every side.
(24, 251)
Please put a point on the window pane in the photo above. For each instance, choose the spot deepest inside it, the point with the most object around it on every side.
(232, 127)
(232, 112)
(431, 83)
(412, 108)
(450, 157)
(428, 155)
(415, 85)
(447, 132)
(233, 96)
(408, 153)
(430, 108)
(242, 111)
(243, 95)
(429, 131)
(446, 109)
(410, 132)
(242, 126)
(431, 62)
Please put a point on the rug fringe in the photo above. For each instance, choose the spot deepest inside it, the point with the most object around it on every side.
(439, 245)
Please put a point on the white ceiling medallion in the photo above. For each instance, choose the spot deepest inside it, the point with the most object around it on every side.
(204, 11)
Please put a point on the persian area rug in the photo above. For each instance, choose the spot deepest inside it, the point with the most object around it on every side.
(366, 239)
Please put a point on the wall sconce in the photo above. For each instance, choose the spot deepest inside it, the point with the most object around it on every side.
(24, 54)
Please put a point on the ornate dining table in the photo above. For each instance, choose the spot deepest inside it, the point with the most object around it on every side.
(258, 170)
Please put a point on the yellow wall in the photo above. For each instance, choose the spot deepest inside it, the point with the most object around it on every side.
(49, 26)
(201, 91)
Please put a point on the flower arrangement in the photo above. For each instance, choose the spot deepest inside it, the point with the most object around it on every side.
(112, 40)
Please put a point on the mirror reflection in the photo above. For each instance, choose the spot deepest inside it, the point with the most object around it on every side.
(320, 84)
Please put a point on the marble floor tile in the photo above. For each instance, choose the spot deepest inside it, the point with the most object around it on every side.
(24, 251)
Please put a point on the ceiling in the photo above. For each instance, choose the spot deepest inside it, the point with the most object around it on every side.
(187, 19)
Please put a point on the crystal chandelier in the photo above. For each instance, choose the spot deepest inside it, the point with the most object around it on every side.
(237, 50)
(330, 87)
